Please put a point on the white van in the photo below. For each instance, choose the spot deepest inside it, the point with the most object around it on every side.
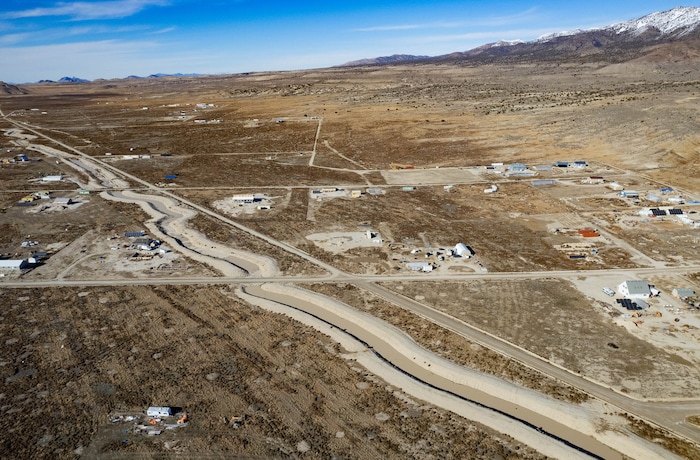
(609, 291)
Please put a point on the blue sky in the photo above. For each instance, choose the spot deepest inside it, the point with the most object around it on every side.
(118, 38)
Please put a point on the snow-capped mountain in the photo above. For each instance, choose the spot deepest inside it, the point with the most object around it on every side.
(614, 43)
(678, 21)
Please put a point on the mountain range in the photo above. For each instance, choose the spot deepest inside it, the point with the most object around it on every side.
(672, 35)
(678, 28)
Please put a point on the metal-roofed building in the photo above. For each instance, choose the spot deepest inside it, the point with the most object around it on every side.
(420, 266)
(635, 289)
(461, 250)
(683, 293)
(14, 264)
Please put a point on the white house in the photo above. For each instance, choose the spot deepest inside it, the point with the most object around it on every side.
(52, 178)
(635, 289)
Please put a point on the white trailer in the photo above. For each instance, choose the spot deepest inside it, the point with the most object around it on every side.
(156, 411)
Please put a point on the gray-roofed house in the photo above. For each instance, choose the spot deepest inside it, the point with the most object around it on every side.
(683, 293)
(635, 289)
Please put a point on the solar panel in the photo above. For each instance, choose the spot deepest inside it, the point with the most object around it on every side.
(628, 304)
(675, 212)
(658, 212)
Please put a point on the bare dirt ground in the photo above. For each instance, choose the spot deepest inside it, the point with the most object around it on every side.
(74, 357)
(448, 344)
(571, 330)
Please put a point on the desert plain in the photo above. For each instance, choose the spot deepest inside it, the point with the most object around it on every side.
(278, 256)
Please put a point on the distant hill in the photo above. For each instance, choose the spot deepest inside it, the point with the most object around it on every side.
(159, 75)
(130, 77)
(393, 59)
(73, 80)
(622, 42)
(6, 88)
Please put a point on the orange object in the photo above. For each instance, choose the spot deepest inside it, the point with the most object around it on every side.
(183, 419)
(153, 422)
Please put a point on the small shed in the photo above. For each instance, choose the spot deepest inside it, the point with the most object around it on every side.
(642, 305)
(562, 164)
(52, 178)
(517, 167)
(63, 201)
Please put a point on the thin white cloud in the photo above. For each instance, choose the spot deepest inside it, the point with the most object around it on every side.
(88, 10)
(516, 18)
(13, 39)
(525, 34)
(163, 31)
(107, 59)
(392, 27)
(85, 60)
(57, 35)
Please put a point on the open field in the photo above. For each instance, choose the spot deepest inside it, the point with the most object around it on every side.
(574, 332)
(73, 358)
(350, 174)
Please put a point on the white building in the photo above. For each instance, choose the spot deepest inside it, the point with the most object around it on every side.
(14, 264)
(420, 266)
(635, 289)
(244, 198)
(461, 250)
(52, 178)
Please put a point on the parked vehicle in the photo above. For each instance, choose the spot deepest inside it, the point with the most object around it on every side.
(609, 291)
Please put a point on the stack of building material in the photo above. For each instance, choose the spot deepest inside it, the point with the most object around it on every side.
(588, 233)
